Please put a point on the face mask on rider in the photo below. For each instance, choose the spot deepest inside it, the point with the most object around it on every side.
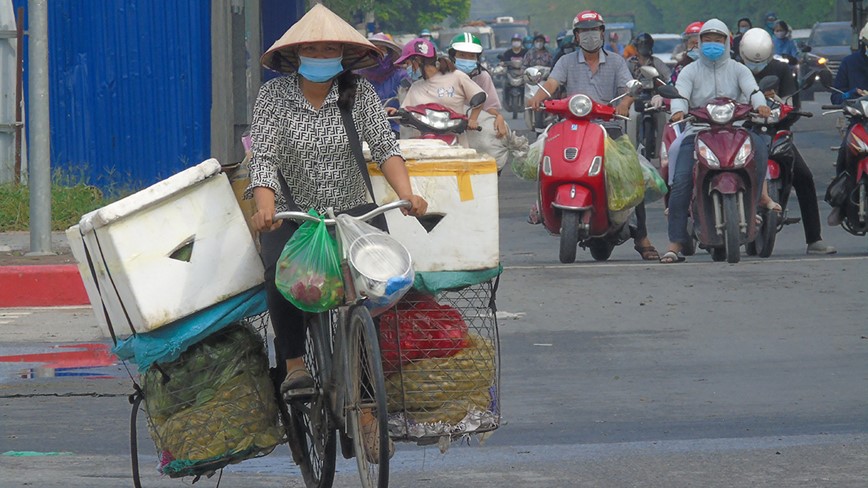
(413, 73)
(465, 65)
(780, 34)
(538, 44)
(516, 44)
(591, 41)
(756, 67)
(693, 54)
(319, 70)
(743, 29)
(713, 50)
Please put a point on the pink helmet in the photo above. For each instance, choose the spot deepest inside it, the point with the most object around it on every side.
(417, 47)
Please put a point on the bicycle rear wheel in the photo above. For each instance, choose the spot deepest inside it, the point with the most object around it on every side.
(367, 393)
(310, 425)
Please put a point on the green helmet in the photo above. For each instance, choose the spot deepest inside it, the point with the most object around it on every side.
(466, 42)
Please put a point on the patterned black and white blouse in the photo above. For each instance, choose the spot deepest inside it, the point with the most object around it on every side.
(310, 147)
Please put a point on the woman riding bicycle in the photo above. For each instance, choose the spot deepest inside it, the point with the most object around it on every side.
(302, 157)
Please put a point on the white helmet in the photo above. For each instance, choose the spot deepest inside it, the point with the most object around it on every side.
(756, 46)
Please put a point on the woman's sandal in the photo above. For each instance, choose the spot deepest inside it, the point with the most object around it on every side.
(648, 253)
(371, 441)
(671, 257)
(298, 383)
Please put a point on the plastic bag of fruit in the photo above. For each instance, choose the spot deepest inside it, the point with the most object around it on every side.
(309, 268)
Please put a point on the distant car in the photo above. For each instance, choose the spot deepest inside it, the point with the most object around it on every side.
(665, 46)
(800, 35)
(827, 45)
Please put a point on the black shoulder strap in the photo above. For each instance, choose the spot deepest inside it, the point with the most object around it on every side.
(356, 145)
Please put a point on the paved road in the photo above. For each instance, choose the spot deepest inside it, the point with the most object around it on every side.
(615, 374)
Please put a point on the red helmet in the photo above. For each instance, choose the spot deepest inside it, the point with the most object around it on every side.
(588, 19)
(692, 29)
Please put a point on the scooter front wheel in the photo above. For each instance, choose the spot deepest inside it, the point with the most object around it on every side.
(569, 236)
(731, 229)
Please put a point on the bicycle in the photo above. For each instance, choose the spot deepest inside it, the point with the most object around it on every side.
(343, 357)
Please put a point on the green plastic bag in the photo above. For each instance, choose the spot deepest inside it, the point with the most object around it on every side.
(309, 268)
(625, 184)
(655, 186)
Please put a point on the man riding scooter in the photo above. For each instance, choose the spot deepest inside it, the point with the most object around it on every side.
(713, 75)
(756, 50)
(602, 76)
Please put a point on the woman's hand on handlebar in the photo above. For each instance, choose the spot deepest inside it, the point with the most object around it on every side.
(677, 117)
(764, 111)
(263, 218)
(390, 111)
(472, 124)
(418, 208)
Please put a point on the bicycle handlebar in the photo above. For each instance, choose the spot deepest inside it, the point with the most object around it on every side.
(304, 217)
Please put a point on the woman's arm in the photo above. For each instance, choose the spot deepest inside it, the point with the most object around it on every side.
(396, 175)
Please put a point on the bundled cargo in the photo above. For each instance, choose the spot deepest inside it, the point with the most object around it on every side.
(625, 183)
(213, 406)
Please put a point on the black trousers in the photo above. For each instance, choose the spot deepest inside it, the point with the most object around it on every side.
(806, 192)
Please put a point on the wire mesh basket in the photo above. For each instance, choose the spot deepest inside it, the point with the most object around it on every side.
(215, 405)
(441, 359)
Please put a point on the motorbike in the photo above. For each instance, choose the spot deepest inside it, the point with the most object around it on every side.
(725, 185)
(534, 76)
(649, 125)
(513, 89)
(572, 183)
(782, 154)
(849, 190)
(434, 121)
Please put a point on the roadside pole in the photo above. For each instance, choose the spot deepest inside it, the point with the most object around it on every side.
(39, 165)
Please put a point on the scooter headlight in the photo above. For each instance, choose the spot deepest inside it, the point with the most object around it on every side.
(743, 153)
(857, 145)
(720, 114)
(437, 119)
(580, 105)
(705, 153)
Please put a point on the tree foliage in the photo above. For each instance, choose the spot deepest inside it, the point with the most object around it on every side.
(402, 15)
(669, 15)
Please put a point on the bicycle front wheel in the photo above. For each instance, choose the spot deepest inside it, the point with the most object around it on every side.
(366, 402)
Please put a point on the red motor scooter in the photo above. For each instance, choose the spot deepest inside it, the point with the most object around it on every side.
(725, 184)
(434, 121)
(572, 184)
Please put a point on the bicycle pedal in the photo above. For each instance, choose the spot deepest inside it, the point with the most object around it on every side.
(299, 395)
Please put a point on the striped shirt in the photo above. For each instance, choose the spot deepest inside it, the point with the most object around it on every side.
(310, 146)
(610, 80)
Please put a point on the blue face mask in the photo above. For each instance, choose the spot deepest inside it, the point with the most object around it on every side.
(319, 70)
(414, 74)
(756, 67)
(693, 54)
(770, 25)
(466, 65)
(713, 50)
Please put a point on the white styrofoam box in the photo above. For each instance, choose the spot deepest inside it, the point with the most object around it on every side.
(461, 191)
(172, 249)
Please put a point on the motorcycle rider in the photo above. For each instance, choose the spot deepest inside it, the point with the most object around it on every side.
(743, 25)
(852, 80)
(437, 81)
(645, 57)
(516, 50)
(714, 74)
(756, 51)
(566, 45)
(784, 45)
(770, 19)
(691, 49)
(385, 76)
(538, 55)
(614, 45)
(465, 51)
(602, 76)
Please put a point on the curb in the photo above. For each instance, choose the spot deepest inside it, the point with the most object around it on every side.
(41, 286)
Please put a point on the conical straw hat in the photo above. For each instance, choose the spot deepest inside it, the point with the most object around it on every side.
(320, 25)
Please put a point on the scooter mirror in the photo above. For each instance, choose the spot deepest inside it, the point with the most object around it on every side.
(649, 72)
(668, 91)
(770, 82)
(478, 99)
(634, 87)
(533, 75)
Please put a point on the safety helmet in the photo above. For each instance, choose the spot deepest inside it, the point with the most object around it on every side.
(467, 43)
(516, 37)
(425, 32)
(771, 16)
(540, 37)
(644, 39)
(588, 19)
(417, 47)
(692, 29)
(756, 45)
